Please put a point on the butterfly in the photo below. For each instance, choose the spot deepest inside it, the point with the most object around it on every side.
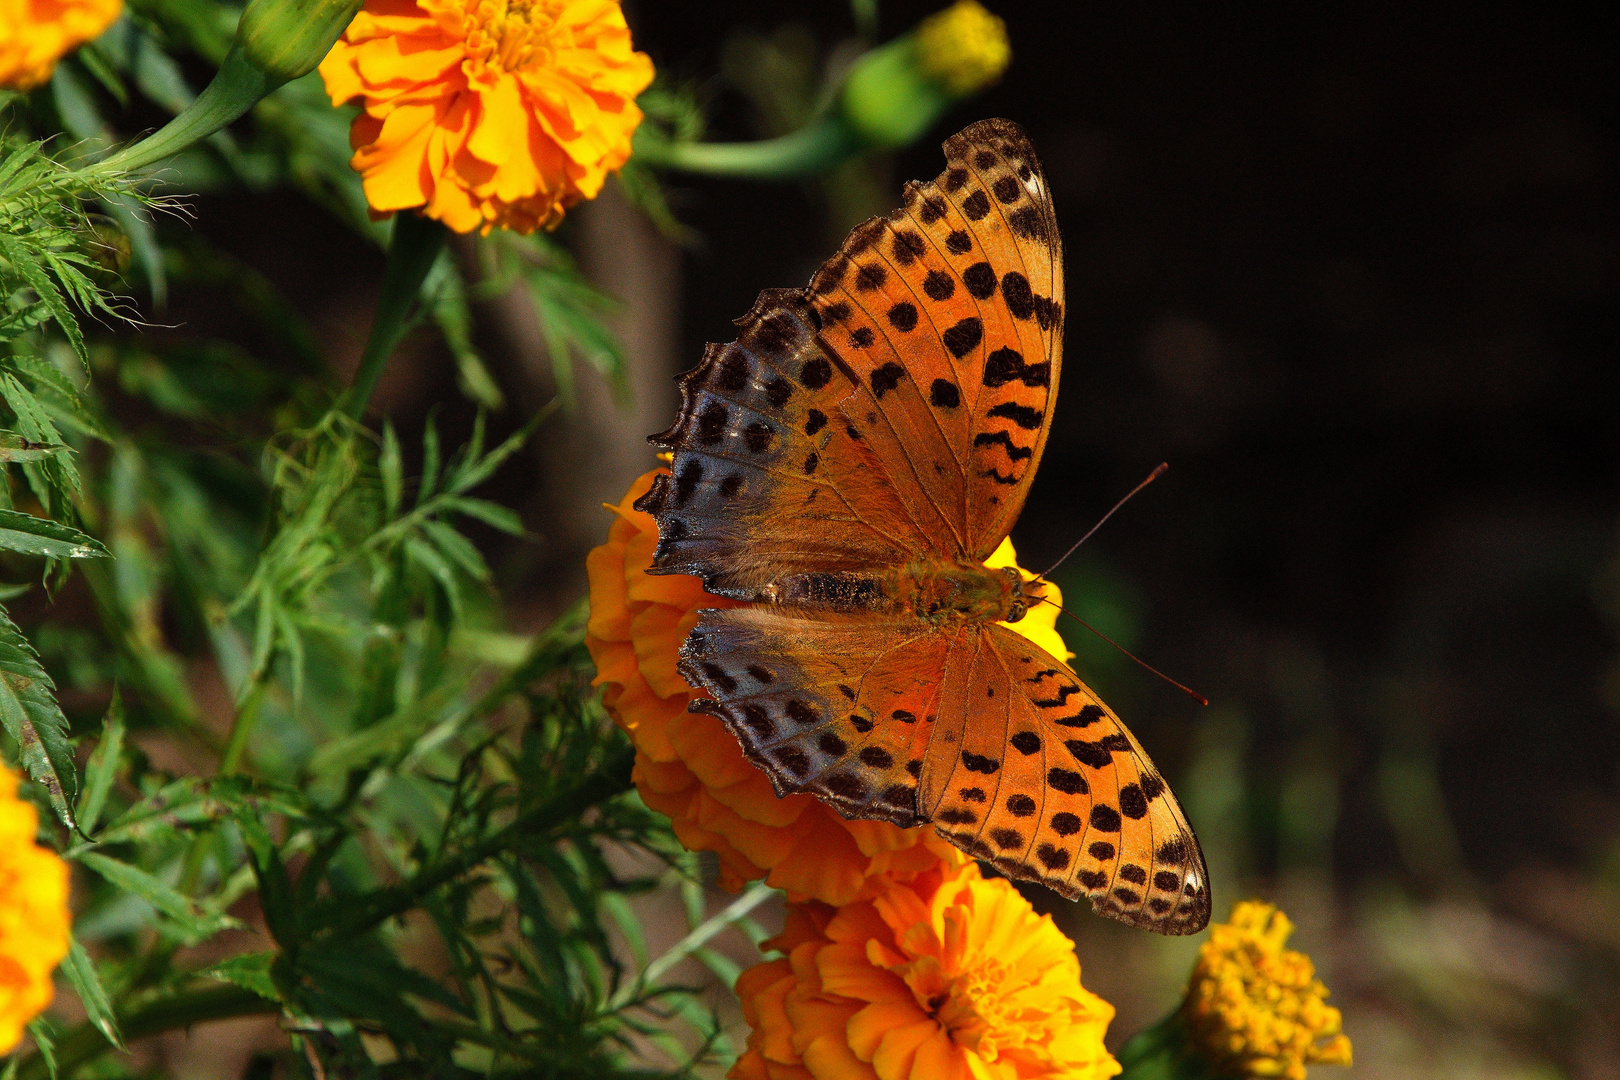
(847, 465)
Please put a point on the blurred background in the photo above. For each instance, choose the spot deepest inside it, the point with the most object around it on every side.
(1355, 273)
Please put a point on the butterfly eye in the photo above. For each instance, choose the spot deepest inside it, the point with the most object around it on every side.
(1018, 610)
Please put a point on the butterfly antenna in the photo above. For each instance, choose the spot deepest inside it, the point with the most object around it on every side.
(1195, 695)
(1152, 476)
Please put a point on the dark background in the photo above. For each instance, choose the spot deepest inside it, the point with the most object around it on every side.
(1353, 273)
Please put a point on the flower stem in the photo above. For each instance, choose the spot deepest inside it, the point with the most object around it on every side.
(1161, 1053)
(811, 150)
(416, 244)
(235, 89)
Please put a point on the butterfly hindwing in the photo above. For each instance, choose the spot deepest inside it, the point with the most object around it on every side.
(948, 315)
(836, 706)
(1034, 774)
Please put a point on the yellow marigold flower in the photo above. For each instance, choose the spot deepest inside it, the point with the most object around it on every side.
(1256, 1009)
(34, 917)
(945, 977)
(689, 767)
(35, 34)
(486, 113)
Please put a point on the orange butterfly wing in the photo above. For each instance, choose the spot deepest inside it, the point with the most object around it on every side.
(895, 411)
(1037, 776)
(949, 315)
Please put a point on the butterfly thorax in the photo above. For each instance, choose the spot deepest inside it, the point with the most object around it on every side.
(934, 590)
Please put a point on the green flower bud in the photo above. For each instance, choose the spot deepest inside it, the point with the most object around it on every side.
(286, 39)
(895, 92)
(276, 41)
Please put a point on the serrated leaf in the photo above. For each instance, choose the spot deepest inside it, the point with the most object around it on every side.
(13, 447)
(188, 916)
(28, 267)
(40, 536)
(81, 974)
(102, 768)
(250, 971)
(31, 716)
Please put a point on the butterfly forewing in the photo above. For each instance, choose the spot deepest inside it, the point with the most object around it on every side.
(948, 316)
(763, 480)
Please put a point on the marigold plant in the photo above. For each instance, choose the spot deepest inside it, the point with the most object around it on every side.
(690, 768)
(945, 976)
(486, 113)
(35, 34)
(34, 918)
(1254, 1008)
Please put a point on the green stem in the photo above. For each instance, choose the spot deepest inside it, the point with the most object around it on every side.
(235, 89)
(416, 244)
(242, 727)
(84, 1043)
(1161, 1053)
(809, 151)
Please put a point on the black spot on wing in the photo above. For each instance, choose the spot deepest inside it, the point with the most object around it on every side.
(1002, 439)
(964, 337)
(886, 378)
(1024, 416)
(980, 280)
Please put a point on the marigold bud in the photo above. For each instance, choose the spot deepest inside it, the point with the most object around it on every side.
(896, 91)
(964, 46)
(286, 39)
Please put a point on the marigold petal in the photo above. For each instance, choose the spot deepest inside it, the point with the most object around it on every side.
(828, 1057)
(938, 1058)
(868, 1028)
(846, 971)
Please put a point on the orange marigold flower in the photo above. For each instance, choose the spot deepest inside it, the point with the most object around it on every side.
(35, 34)
(486, 113)
(1256, 1009)
(945, 977)
(691, 768)
(34, 917)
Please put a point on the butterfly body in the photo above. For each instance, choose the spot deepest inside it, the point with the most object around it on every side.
(846, 466)
(933, 590)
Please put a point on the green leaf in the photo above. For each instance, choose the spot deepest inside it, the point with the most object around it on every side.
(422, 554)
(27, 265)
(40, 536)
(13, 447)
(457, 548)
(392, 470)
(31, 716)
(188, 916)
(250, 971)
(81, 973)
(102, 768)
(492, 514)
(40, 1029)
(476, 472)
